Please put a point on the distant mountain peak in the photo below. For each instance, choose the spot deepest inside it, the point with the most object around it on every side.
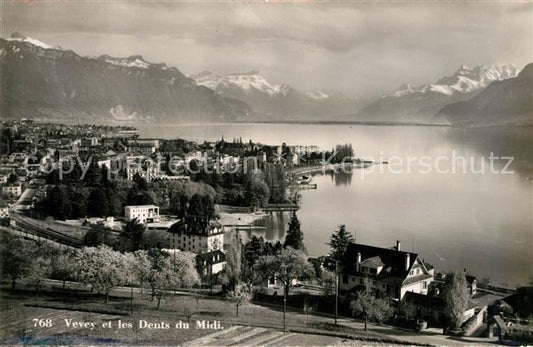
(248, 82)
(17, 36)
(465, 80)
(249, 73)
(131, 61)
(317, 95)
(63, 84)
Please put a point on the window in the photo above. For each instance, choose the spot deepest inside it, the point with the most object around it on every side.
(411, 273)
(345, 279)
(424, 285)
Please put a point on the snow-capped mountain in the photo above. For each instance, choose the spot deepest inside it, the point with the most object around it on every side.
(23, 38)
(248, 82)
(276, 100)
(421, 103)
(317, 95)
(464, 80)
(506, 102)
(62, 84)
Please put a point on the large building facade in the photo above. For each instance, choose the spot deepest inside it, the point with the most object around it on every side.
(193, 237)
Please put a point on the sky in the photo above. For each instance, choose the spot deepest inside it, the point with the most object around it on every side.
(361, 49)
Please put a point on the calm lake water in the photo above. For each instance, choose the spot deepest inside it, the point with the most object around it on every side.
(481, 221)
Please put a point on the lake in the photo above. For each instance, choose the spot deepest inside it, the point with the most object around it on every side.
(438, 194)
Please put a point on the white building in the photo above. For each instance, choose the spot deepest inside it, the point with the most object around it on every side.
(190, 238)
(142, 213)
(145, 167)
(14, 190)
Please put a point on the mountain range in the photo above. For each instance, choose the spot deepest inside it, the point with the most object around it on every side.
(506, 102)
(276, 101)
(38, 80)
(420, 104)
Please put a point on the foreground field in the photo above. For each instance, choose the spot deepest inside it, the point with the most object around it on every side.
(78, 317)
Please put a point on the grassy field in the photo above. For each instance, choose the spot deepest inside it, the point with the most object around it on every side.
(20, 311)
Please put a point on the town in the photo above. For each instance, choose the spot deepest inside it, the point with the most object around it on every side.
(106, 211)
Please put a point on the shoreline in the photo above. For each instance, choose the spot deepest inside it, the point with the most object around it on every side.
(111, 122)
(328, 167)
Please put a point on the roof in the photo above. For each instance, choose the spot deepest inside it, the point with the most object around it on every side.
(415, 279)
(143, 206)
(373, 262)
(393, 271)
(485, 298)
(470, 279)
(211, 256)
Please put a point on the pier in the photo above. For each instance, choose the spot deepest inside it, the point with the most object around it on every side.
(269, 208)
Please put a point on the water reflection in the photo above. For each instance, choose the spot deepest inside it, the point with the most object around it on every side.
(479, 221)
(341, 178)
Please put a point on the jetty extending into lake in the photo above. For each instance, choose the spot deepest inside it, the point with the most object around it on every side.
(301, 170)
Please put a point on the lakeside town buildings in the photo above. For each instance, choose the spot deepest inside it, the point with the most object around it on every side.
(401, 276)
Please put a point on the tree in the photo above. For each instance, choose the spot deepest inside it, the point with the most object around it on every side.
(102, 268)
(290, 264)
(97, 236)
(339, 242)
(294, 237)
(142, 267)
(12, 178)
(93, 177)
(307, 310)
(15, 257)
(58, 203)
(140, 182)
(134, 232)
(97, 205)
(257, 192)
(253, 250)
(328, 282)
(455, 294)
(63, 268)
(38, 271)
(232, 270)
(239, 297)
(408, 309)
(370, 308)
(171, 272)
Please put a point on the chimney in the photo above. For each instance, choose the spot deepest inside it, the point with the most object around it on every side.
(407, 261)
(398, 245)
(357, 261)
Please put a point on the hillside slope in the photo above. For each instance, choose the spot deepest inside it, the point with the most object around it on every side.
(40, 81)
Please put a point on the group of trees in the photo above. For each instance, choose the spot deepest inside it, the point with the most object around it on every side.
(257, 261)
(99, 268)
(96, 195)
(236, 188)
(76, 195)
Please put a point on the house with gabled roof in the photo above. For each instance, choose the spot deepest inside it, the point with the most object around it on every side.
(388, 270)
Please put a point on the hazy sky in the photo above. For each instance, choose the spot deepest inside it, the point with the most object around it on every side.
(359, 48)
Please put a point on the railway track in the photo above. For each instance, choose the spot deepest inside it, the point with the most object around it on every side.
(28, 226)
